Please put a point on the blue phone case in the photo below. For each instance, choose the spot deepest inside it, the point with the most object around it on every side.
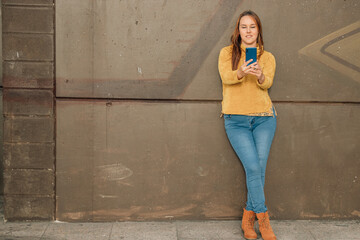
(251, 54)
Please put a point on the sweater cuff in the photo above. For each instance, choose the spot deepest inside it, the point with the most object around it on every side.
(264, 84)
(236, 78)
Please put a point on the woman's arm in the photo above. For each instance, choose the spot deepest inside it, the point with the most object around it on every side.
(268, 72)
(228, 76)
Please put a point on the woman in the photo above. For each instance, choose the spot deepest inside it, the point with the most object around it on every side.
(250, 118)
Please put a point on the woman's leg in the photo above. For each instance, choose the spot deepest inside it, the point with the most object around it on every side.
(263, 133)
(239, 131)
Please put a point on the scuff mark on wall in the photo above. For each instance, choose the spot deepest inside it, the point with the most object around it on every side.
(202, 172)
(74, 215)
(139, 70)
(113, 172)
(308, 215)
(355, 213)
(108, 196)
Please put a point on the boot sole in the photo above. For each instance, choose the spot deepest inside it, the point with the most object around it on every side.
(249, 238)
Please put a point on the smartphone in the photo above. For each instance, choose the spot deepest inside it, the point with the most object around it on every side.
(251, 53)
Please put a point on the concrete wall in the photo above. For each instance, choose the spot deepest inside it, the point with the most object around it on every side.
(28, 63)
(138, 133)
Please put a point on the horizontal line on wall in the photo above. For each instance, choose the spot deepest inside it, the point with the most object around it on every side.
(29, 195)
(37, 116)
(318, 102)
(189, 100)
(28, 61)
(28, 5)
(134, 100)
(23, 88)
(12, 116)
(29, 142)
(26, 169)
(30, 33)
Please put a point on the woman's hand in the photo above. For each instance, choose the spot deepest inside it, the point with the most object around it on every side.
(257, 71)
(253, 69)
(244, 69)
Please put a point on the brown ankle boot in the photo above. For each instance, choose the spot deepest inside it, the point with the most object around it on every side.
(247, 224)
(264, 226)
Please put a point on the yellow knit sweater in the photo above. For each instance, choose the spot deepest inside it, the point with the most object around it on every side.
(246, 96)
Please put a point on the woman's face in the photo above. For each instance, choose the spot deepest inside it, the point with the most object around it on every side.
(248, 31)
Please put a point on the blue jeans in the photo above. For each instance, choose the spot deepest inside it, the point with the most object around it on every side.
(251, 138)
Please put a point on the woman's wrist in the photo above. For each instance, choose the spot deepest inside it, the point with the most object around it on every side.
(239, 74)
(261, 79)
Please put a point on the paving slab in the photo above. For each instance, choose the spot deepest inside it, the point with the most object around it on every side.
(79, 231)
(22, 230)
(290, 230)
(324, 230)
(209, 230)
(144, 231)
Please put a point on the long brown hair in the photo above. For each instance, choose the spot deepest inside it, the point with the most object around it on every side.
(236, 38)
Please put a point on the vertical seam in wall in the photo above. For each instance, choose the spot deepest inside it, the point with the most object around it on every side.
(12, 127)
(54, 102)
(92, 25)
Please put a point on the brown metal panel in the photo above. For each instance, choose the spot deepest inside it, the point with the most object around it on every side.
(28, 208)
(172, 160)
(29, 155)
(28, 129)
(28, 47)
(28, 102)
(313, 171)
(176, 58)
(28, 181)
(28, 75)
(145, 160)
(28, 19)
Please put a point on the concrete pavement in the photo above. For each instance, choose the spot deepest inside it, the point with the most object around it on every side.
(174, 230)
